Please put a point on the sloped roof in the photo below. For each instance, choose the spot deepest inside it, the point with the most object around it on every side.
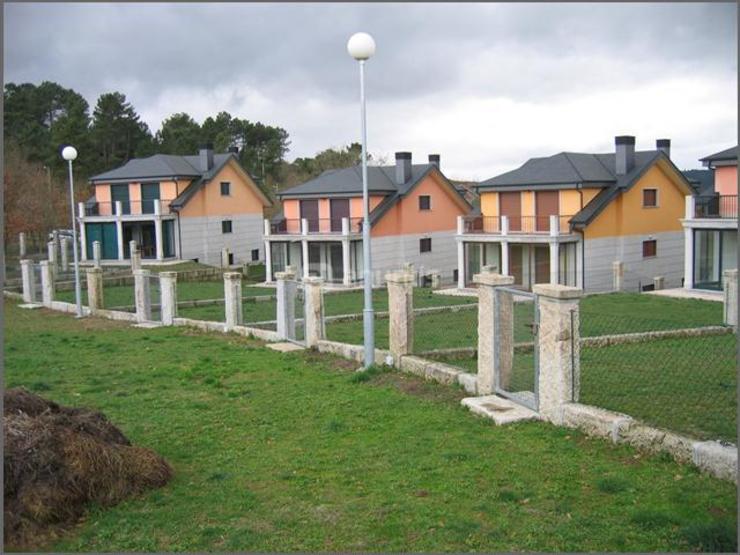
(727, 154)
(559, 169)
(160, 166)
(701, 180)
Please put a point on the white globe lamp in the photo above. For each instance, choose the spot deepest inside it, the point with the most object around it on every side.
(361, 46)
(69, 153)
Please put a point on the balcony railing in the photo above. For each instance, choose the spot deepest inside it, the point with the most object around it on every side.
(720, 206)
(321, 225)
(514, 224)
(127, 208)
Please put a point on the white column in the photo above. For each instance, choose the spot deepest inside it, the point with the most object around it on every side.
(460, 225)
(304, 246)
(83, 239)
(168, 297)
(142, 295)
(460, 263)
(233, 299)
(689, 207)
(266, 227)
(268, 261)
(554, 261)
(64, 251)
(504, 225)
(579, 264)
(286, 292)
(158, 235)
(225, 257)
(119, 229)
(554, 225)
(313, 313)
(688, 257)
(133, 248)
(27, 279)
(346, 266)
(52, 256)
(96, 254)
(504, 256)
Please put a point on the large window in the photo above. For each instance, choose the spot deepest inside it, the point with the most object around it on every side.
(425, 245)
(714, 252)
(226, 226)
(649, 248)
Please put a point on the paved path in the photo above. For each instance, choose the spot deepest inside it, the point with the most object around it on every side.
(681, 293)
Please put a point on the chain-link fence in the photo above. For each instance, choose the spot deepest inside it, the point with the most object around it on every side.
(662, 372)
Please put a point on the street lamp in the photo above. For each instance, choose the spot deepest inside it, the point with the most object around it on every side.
(69, 153)
(361, 46)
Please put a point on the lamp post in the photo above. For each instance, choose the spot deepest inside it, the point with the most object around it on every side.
(361, 47)
(69, 153)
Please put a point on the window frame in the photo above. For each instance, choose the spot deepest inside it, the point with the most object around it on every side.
(655, 189)
(425, 241)
(655, 248)
(230, 225)
(429, 203)
(228, 192)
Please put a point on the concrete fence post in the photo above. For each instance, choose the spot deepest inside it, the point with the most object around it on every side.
(225, 257)
(314, 311)
(28, 281)
(22, 244)
(617, 275)
(658, 283)
(233, 299)
(401, 312)
(729, 312)
(286, 292)
(142, 295)
(52, 256)
(135, 255)
(64, 252)
(495, 319)
(95, 289)
(96, 254)
(558, 348)
(168, 297)
(47, 283)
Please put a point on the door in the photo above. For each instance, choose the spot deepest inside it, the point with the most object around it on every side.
(515, 264)
(310, 211)
(339, 209)
(473, 252)
(168, 238)
(337, 262)
(547, 204)
(541, 264)
(120, 193)
(149, 194)
(314, 259)
(93, 232)
(148, 241)
(510, 204)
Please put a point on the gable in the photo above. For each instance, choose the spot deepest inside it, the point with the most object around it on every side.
(245, 197)
(404, 217)
(625, 215)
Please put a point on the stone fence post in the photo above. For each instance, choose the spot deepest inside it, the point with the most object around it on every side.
(96, 254)
(286, 292)
(52, 256)
(142, 295)
(495, 319)
(729, 312)
(135, 254)
(95, 289)
(168, 297)
(28, 281)
(47, 283)
(401, 312)
(558, 348)
(233, 300)
(225, 257)
(314, 311)
(22, 244)
(64, 253)
(617, 275)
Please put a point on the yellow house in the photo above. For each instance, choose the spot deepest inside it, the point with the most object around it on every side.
(568, 218)
(176, 208)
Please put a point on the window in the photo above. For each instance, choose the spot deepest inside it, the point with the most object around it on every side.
(425, 202)
(255, 254)
(226, 226)
(649, 198)
(649, 248)
(231, 259)
(225, 189)
(425, 245)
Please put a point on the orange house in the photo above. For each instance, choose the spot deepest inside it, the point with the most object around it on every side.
(568, 218)
(176, 208)
(413, 214)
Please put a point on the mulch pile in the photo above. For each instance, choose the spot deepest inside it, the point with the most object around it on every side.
(59, 459)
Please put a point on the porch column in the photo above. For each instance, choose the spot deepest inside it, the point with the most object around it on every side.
(142, 295)
(96, 254)
(83, 235)
(554, 225)
(688, 258)
(579, 264)
(304, 246)
(233, 299)
(554, 262)
(268, 262)
(286, 292)
(94, 289)
(47, 283)
(558, 348)
(460, 264)
(133, 248)
(505, 257)
(119, 229)
(495, 319)
(313, 313)
(689, 207)
(158, 235)
(346, 266)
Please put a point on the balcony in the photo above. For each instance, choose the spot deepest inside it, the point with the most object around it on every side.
(321, 226)
(514, 225)
(154, 207)
(719, 206)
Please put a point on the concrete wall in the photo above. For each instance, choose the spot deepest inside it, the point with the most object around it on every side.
(202, 238)
(391, 253)
(599, 254)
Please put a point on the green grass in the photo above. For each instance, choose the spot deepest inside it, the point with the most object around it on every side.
(292, 452)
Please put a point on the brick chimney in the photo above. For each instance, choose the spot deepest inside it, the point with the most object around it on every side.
(403, 167)
(624, 160)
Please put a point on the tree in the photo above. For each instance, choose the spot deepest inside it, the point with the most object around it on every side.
(180, 134)
(118, 134)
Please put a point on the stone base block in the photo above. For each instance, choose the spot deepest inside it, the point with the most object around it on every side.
(500, 410)
(148, 325)
(716, 459)
(469, 382)
(30, 306)
(285, 347)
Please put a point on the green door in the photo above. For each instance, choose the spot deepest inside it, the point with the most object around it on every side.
(93, 232)
(149, 193)
(120, 193)
(168, 238)
(110, 242)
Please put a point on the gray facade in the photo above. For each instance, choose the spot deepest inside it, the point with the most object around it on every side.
(392, 252)
(600, 254)
(203, 238)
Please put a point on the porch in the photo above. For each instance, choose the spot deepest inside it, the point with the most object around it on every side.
(337, 261)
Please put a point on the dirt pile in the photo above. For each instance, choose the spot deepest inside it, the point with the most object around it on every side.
(59, 459)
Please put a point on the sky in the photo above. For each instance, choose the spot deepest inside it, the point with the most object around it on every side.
(486, 86)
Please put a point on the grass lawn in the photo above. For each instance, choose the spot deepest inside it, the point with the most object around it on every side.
(295, 452)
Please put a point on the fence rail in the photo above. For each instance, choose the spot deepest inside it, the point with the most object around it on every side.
(128, 207)
(292, 226)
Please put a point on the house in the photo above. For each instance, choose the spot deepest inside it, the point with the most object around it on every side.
(176, 208)
(413, 213)
(568, 217)
(710, 224)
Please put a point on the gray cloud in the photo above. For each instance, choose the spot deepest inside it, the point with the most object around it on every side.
(287, 64)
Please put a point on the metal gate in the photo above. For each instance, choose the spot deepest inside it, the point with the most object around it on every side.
(516, 364)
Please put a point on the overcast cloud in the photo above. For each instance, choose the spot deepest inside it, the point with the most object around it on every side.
(485, 85)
